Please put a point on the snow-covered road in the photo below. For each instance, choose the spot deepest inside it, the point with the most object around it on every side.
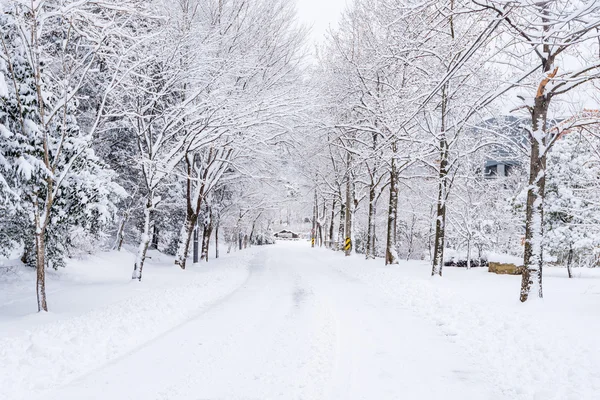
(291, 322)
(295, 329)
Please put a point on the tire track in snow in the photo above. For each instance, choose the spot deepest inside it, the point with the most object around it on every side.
(383, 351)
(259, 344)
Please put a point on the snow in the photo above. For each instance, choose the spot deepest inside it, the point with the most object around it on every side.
(504, 258)
(99, 315)
(451, 254)
(291, 322)
(543, 350)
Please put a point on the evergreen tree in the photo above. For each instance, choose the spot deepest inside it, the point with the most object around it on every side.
(52, 180)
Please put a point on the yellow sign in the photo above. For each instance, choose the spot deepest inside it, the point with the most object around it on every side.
(313, 241)
(348, 244)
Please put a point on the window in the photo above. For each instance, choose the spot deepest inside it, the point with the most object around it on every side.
(491, 170)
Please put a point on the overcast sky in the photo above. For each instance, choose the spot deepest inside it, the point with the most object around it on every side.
(320, 14)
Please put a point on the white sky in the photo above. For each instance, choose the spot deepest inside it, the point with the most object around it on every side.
(320, 14)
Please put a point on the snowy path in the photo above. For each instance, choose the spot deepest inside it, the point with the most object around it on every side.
(290, 322)
(293, 330)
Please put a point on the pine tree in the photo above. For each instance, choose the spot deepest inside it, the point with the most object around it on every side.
(52, 180)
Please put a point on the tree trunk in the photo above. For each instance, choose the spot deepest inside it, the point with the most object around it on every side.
(331, 226)
(469, 253)
(391, 255)
(217, 238)
(204, 251)
(185, 237)
(410, 238)
(40, 248)
(194, 201)
(145, 241)
(121, 232)
(313, 232)
(369, 253)
(25, 255)
(155, 237)
(210, 231)
(323, 226)
(374, 233)
(569, 261)
(196, 252)
(440, 221)
(320, 234)
(534, 215)
(340, 245)
(206, 234)
(251, 238)
(349, 211)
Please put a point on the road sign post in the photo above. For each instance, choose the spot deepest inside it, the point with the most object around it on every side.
(348, 245)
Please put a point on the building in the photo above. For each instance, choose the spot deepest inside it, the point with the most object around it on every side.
(504, 159)
(286, 234)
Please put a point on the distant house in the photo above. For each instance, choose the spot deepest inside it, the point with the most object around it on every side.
(285, 234)
(494, 168)
(504, 159)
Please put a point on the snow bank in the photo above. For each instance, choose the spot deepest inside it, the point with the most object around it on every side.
(454, 255)
(504, 258)
(529, 351)
(58, 351)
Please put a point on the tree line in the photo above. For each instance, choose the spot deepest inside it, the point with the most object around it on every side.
(421, 98)
(142, 122)
(416, 129)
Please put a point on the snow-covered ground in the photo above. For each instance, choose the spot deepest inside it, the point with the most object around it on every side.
(291, 322)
